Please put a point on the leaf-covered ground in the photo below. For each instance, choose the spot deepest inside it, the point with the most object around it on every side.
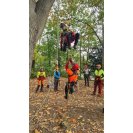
(51, 113)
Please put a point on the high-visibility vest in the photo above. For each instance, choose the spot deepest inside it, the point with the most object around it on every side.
(99, 73)
(41, 74)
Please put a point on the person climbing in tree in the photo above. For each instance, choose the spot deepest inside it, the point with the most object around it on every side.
(72, 77)
(86, 72)
(56, 78)
(99, 76)
(40, 78)
(67, 37)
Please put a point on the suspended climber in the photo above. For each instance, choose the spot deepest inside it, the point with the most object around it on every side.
(72, 77)
(67, 37)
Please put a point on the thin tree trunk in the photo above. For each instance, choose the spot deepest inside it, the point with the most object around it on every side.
(88, 54)
(83, 58)
(80, 58)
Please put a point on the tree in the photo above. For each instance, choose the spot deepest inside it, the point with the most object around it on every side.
(85, 17)
(38, 14)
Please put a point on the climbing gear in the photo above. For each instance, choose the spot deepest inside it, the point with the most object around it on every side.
(75, 67)
(67, 37)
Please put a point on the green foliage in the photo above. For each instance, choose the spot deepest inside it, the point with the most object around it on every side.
(83, 16)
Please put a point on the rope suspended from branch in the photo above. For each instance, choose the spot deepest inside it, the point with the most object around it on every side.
(58, 1)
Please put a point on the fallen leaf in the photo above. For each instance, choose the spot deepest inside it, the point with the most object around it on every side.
(36, 131)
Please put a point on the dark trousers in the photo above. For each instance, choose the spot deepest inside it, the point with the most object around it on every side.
(86, 78)
(69, 88)
(99, 84)
(41, 90)
(76, 39)
(56, 82)
(71, 38)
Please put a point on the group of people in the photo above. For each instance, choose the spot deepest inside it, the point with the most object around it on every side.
(66, 38)
(73, 73)
(41, 76)
(99, 78)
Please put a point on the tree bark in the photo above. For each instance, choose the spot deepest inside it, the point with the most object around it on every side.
(103, 46)
(88, 54)
(38, 14)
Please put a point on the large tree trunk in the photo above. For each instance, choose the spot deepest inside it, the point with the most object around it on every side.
(103, 46)
(38, 14)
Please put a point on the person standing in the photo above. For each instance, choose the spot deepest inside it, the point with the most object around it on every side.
(56, 78)
(72, 77)
(99, 76)
(86, 72)
(40, 78)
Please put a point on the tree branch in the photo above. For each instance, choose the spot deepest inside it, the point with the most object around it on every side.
(91, 28)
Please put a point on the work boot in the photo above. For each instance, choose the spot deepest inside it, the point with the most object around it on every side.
(74, 47)
(69, 47)
(41, 90)
(37, 88)
(71, 91)
(99, 95)
(64, 48)
(94, 93)
(66, 96)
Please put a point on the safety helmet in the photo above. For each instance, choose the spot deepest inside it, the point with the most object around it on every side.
(98, 65)
(62, 25)
(41, 69)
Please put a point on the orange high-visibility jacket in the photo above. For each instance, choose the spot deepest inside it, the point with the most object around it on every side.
(71, 76)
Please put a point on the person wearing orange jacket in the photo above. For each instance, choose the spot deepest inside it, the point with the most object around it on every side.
(40, 78)
(72, 77)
